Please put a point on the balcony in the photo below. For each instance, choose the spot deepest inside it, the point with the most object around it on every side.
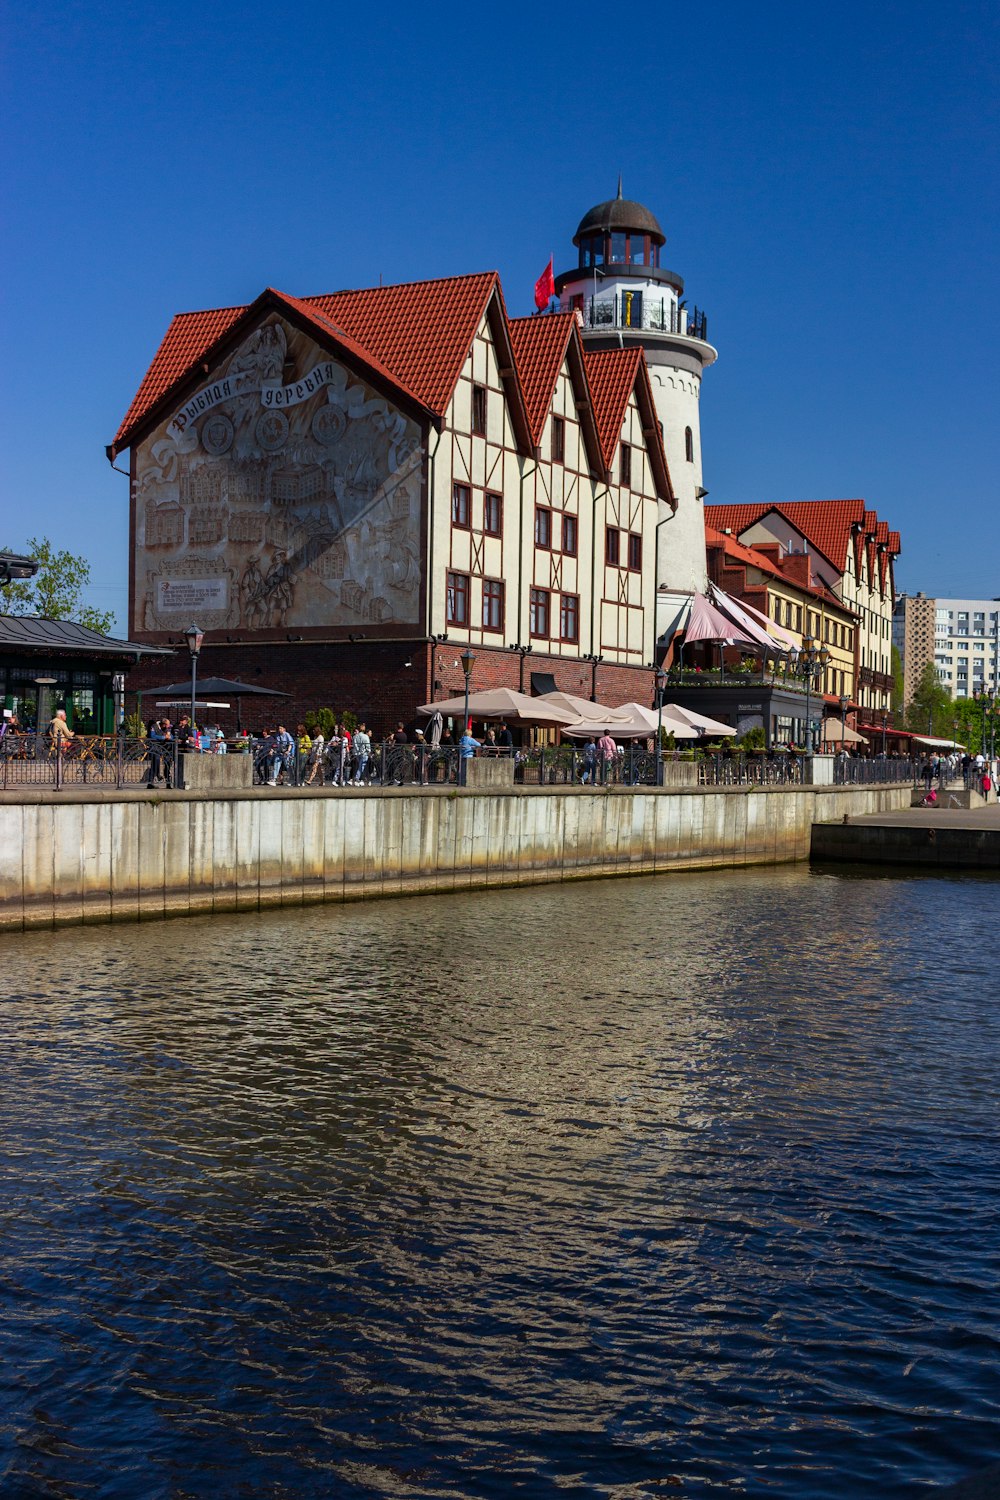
(644, 313)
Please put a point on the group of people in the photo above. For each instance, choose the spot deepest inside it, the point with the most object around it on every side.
(978, 773)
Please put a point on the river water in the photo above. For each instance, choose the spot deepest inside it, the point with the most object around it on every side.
(625, 1188)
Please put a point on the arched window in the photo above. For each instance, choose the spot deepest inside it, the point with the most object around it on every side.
(689, 445)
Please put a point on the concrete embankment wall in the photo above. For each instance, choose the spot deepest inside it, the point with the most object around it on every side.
(925, 845)
(77, 856)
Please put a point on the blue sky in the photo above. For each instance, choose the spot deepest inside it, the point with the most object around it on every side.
(826, 177)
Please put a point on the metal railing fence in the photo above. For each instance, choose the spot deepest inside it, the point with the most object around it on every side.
(118, 761)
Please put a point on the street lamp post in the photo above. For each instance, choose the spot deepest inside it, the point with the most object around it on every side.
(812, 661)
(194, 637)
(844, 701)
(661, 682)
(885, 725)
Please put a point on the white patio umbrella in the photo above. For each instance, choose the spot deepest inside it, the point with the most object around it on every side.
(640, 724)
(502, 703)
(584, 708)
(692, 718)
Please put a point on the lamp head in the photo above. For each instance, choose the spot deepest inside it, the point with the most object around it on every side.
(468, 660)
(194, 636)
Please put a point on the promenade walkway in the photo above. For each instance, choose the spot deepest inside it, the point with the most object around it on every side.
(956, 838)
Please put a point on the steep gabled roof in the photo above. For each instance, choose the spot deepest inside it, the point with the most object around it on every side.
(414, 337)
(746, 554)
(542, 345)
(186, 342)
(613, 374)
(422, 330)
(826, 524)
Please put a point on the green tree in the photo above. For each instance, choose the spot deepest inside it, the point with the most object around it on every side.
(54, 592)
(898, 693)
(931, 709)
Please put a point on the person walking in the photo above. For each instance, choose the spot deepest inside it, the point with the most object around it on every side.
(467, 747)
(589, 773)
(315, 760)
(362, 753)
(606, 752)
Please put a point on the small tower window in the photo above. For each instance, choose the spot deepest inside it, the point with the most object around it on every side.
(558, 440)
(625, 474)
(618, 249)
(479, 410)
(689, 445)
(637, 249)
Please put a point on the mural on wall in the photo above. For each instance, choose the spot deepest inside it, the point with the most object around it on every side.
(285, 492)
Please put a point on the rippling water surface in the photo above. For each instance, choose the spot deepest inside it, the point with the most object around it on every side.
(631, 1188)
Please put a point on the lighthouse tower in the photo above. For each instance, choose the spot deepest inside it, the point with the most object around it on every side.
(625, 295)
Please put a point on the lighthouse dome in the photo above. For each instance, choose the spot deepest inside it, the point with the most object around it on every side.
(619, 215)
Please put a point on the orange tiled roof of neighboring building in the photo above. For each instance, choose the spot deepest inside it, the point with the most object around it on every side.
(540, 347)
(611, 375)
(745, 553)
(827, 524)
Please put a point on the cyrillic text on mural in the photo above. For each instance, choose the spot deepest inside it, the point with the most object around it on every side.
(290, 478)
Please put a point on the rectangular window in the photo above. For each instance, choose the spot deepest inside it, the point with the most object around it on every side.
(479, 410)
(492, 514)
(635, 551)
(543, 526)
(569, 617)
(492, 604)
(458, 598)
(626, 464)
(538, 612)
(569, 535)
(612, 546)
(461, 505)
(558, 440)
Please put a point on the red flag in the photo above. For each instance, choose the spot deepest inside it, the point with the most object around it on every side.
(545, 287)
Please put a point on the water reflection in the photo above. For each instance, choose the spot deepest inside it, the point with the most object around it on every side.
(606, 1189)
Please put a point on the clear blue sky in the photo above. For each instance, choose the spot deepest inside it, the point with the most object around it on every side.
(826, 177)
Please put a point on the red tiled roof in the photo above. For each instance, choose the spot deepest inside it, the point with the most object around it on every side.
(421, 330)
(418, 334)
(540, 349)
(611, 375)
(187, 340)
(745, 553)
(826, 524)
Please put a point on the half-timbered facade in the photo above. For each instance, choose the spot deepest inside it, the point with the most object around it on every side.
(343, 490)
(851, 553)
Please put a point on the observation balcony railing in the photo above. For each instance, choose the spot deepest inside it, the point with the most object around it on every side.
(642, 311)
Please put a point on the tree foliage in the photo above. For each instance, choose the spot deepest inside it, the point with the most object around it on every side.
(931, 710)
(55, 591)
(898, 692)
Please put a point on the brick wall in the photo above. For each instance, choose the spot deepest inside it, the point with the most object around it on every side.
(372, 679)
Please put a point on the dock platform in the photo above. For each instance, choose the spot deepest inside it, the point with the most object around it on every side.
(928, 837)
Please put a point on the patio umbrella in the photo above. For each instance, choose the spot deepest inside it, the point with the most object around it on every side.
(584, 708)
(693, 719)
(835, 732)
(501, 703)
(640, 724)
(212, 687)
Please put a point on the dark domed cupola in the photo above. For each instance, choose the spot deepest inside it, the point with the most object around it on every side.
(619, 232)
